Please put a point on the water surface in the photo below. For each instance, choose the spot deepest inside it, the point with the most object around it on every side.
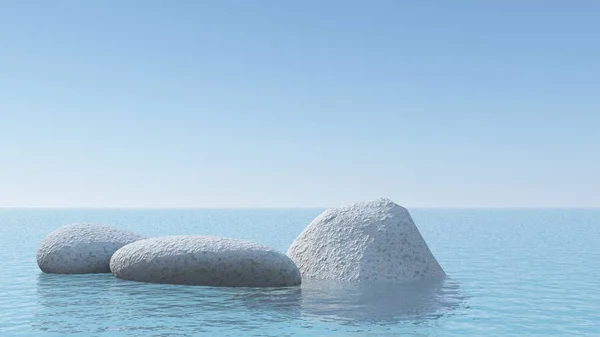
(511, 272)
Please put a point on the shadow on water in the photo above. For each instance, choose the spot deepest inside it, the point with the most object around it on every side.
(103, 304)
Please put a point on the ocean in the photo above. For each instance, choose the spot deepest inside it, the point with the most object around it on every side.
(511, 272)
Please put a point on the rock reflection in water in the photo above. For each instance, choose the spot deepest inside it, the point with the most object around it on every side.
(378, 303)
(102, 304)
(381, 302)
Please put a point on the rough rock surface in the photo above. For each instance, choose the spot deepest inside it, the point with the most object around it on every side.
(369, 241)
(204, 260)
(81, 248)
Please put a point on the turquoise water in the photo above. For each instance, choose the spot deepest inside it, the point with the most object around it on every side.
(511, 272)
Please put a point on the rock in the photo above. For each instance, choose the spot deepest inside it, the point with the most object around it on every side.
(81, 248)
(204, 260)
(369, 241)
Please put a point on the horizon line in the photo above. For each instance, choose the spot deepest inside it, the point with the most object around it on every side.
(281, 207)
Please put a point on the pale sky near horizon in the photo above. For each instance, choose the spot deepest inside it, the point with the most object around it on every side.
(299, 103)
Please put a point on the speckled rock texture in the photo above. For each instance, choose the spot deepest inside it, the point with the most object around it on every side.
(81, 248)
(204, 260)
(369, 241)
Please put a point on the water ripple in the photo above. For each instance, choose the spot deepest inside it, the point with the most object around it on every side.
(512, 273)
(102, 304)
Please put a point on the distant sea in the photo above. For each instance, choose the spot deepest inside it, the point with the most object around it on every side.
(511, 272)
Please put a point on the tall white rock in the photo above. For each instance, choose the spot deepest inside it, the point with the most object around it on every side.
(81, 248)
(368, 241)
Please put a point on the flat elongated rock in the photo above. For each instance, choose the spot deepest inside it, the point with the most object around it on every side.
(81, 248)
(204, 260)
(369, 241)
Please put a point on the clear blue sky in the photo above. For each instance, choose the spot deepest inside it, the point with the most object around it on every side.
(299, 103)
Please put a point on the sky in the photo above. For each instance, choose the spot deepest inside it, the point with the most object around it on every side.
(309, 103)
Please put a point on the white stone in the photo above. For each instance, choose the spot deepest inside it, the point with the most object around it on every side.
(369, 241)
(81, 248)
(204, 260)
